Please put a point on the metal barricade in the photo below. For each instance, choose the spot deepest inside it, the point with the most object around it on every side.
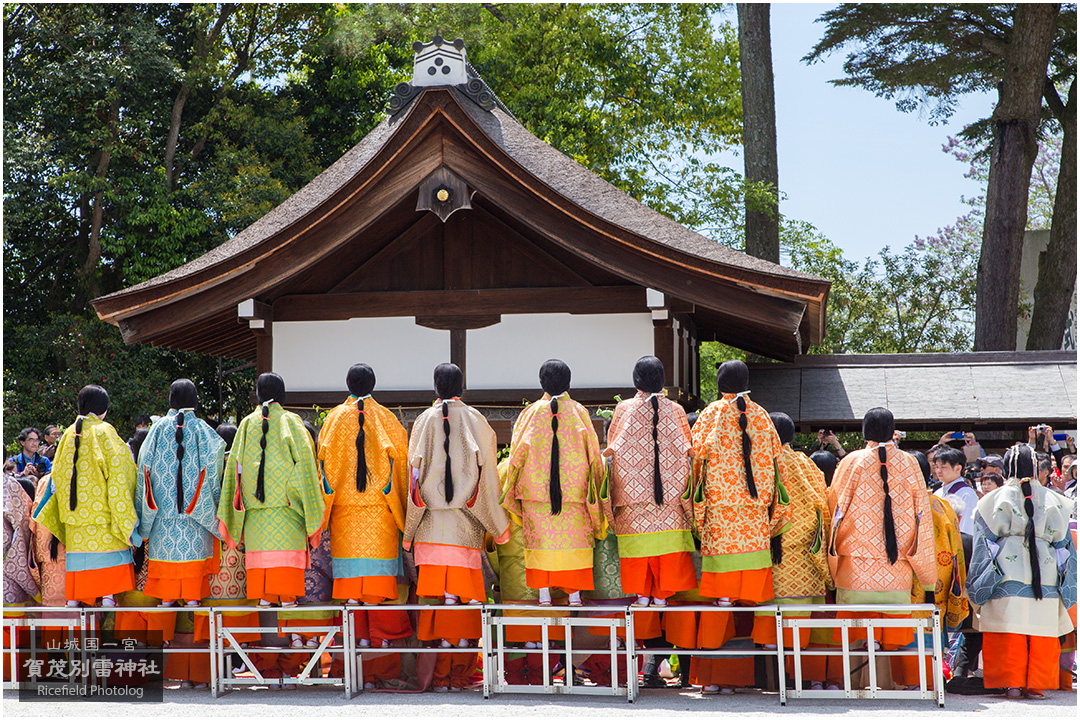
(493, 646)
(781, 653)
(496, 650)
(223, 644)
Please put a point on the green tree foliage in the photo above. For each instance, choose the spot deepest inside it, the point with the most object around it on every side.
(918, 300)
(46, 365)
(927, 57)
(139, 136)
(635, 93)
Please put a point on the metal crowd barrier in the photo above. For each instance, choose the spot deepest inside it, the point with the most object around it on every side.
(493, 648)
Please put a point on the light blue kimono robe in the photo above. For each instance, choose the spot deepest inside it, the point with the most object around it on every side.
(179, 523)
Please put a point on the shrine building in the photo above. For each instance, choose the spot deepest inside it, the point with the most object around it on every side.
(450, 233)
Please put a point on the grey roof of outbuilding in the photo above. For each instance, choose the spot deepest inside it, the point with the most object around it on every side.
(562, 174)
(949, 390)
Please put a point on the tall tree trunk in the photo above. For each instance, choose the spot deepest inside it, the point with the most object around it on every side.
(97, 206)
(1057, 266)
(1015, 119)
(759, 129)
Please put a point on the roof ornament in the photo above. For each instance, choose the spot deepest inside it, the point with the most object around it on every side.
(440, 63)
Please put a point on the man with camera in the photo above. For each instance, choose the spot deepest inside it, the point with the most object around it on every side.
(29, 461)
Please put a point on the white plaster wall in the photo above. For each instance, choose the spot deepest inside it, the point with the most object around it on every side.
(315, 356)
(600, 349)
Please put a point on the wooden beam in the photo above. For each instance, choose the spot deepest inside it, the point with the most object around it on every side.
(270, 263)
(459, 322)
(510, 397)
(462, 303)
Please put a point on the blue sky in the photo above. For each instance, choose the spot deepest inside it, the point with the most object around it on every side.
(864, 173)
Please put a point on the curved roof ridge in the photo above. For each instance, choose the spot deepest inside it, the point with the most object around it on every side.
(591, 192)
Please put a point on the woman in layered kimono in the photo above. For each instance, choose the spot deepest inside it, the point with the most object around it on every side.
(180, 464)
(453, 500)
(1023, 575)
(271, 497)
(882, 534)
(740, 510)
(555, 474)
(646, 496)
(90, 506)
(363, 455)
(801, 576)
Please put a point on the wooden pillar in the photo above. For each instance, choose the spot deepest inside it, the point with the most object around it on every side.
(260, 320)
(664, 344)
(457, 353)
(264, 352)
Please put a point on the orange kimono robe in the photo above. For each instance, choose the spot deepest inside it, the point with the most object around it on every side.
(858, 562)
(735, 528)
(365, 527)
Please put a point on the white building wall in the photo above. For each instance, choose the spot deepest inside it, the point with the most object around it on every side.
(315, 356)
(600, 349)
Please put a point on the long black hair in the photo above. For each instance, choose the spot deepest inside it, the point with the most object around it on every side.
(182, 395)
(649, 377)
(879, 426)
(270, 387)
(734, 377)
(555, 380)
(361, 381)
(1020, 464)
(448, 383)
(826, 463)
(92, 399)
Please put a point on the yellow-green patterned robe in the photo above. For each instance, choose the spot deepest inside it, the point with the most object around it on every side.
(276, 530)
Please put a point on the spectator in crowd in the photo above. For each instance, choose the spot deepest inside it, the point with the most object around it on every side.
(1066, 462)
(826, 439)
(948, 464)
(990, 481)
(1070, 481)
(52, 436)
(1045, 470)
(1041, 439)
(971, 448)
(1024, 579)
(29, 461)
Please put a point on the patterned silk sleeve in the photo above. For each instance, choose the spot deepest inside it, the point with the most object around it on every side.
(923, 559)
(415, 508)
(397, 488)
(305, 488)
(484, 505)
(145, 506)
(211, 459)
(326, 457)
(231, 510)
(519, 454)
(119, 482)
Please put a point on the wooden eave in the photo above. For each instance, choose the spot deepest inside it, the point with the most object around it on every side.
(772, 314)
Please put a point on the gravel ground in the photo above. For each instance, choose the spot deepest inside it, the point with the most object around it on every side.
(327, 702)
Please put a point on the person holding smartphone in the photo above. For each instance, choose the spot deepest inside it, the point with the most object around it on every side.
(827, 439)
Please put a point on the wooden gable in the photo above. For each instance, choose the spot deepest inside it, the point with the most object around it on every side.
(539, 234)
